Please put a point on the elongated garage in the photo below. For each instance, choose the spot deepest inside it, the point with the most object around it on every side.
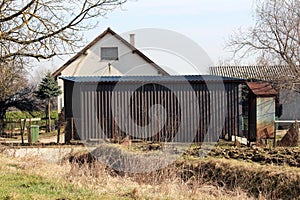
(152, 108)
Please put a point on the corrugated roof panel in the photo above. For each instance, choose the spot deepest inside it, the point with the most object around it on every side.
(266, 73)
(191, 78)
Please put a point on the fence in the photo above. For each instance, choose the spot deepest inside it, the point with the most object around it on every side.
(16, 129)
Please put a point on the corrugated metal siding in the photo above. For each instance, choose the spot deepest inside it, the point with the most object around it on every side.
(192, 112)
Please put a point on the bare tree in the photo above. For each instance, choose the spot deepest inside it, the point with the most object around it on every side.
(40, 29)
(44, 28)
(275, 37)
(15, 91)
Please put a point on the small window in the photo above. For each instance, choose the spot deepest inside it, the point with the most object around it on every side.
(109, 53)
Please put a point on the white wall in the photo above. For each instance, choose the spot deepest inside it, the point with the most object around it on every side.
(128, 64)
(290, 104)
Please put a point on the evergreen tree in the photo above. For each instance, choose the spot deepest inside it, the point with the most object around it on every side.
(48, 89)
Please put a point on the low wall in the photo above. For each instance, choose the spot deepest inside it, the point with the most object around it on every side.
(49, 154)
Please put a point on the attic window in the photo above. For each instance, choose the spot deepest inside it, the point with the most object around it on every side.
(109, 53)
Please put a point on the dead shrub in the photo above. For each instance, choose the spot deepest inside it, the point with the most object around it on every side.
(189, 177)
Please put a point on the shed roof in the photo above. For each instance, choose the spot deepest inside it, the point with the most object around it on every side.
(149, 79)
(261, 88)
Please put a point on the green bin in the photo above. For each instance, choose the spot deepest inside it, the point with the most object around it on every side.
(33, 133)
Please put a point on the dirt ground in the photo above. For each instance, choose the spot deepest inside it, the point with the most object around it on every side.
(43, 138)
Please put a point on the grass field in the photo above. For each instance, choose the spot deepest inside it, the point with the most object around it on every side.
(18, 182)
(223, 174)
(30, 178)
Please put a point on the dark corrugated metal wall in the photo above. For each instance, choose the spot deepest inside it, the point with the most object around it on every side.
(191, 112)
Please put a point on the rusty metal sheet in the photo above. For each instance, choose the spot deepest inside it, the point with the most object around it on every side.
(265, 111)
(261, 88)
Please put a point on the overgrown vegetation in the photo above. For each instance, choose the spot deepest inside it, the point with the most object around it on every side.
(14, 118)
(17, 115)
(223, 174)
(257, 180)
(280, 156)
(96, 181)
(270, 182)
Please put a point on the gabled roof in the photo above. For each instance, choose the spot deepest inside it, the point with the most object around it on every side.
(108, 30)
(265, 73)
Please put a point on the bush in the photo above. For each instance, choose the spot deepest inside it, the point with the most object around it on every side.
(17, 115)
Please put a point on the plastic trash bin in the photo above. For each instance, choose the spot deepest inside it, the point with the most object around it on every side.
(33, 133)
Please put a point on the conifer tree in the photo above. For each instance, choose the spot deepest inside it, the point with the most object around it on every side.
(48, 89)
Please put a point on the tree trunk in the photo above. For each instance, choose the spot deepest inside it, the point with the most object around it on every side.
(1, 126)
(49, 115)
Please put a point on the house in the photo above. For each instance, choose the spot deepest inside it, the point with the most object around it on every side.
(152, 108)
(108, 55)
(288, 98)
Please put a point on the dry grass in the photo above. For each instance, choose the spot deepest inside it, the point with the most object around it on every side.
(164, 184)
(187, 178)
(269, 181)
(18, 181)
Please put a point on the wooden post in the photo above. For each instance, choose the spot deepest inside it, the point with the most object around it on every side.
(1, 127)
(29, 132)
(22, 130)
(58, 131)
(49, 115)
(274, 144)
(11, 131)
(72, 128)
(235, 139)
(114, 132)
(156, 130)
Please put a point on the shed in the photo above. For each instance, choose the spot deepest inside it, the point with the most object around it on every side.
(152, 108)
(261, 111)
(283, 79)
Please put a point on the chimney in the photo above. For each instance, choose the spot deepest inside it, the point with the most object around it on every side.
(132, 39)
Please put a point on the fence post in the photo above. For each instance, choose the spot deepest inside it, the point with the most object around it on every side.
(58, 131)
(22, 129)
(274, 141)
(72, 128)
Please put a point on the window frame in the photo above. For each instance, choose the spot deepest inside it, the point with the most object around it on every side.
(105, 58)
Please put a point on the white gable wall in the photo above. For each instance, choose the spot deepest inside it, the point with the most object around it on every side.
(90, 64)
(128, 63)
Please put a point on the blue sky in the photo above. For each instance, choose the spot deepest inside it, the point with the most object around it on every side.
(207, 22)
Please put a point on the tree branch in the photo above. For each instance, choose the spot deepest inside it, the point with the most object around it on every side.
(17, 13)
